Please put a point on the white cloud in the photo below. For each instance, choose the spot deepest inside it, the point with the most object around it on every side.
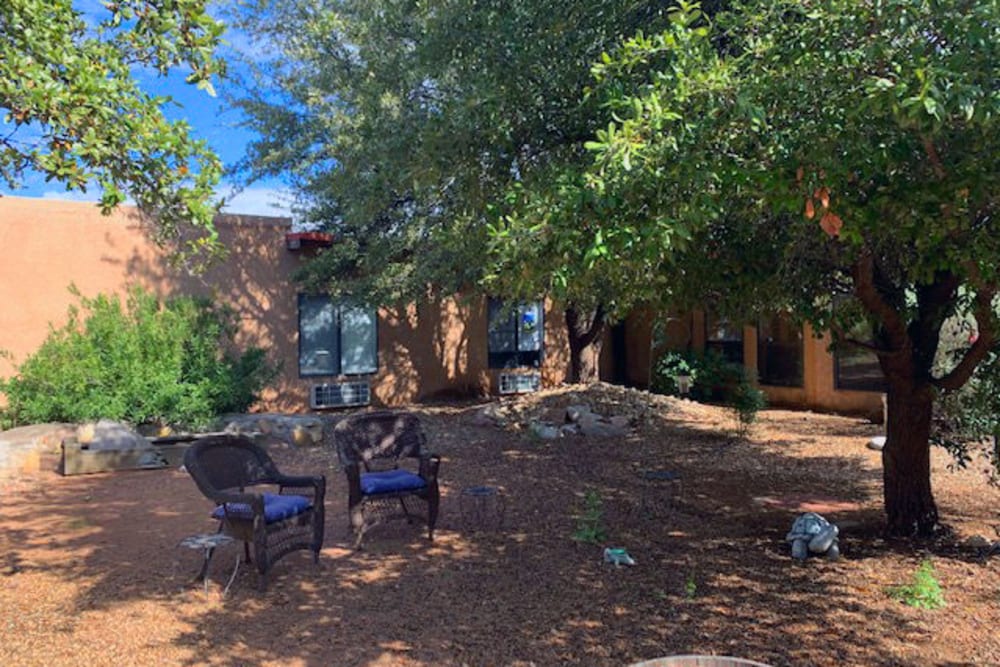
(94, 195)
(258, 201)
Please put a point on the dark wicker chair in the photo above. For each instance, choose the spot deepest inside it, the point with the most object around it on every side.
(372, 446)
(224, 468)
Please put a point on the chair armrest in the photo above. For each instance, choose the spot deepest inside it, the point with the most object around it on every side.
(300, 481)
(429, 464)
(254, 501)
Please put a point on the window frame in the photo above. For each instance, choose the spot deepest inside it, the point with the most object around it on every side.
(339, 306)
(725, 347)
(516, 357)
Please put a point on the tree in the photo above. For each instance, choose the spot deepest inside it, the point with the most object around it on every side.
(819, 150)
(76, 114)
(412, 128)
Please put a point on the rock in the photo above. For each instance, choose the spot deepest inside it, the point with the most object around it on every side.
(833, 553)
(575, 412)
(110, 435)
(877, 443)
(570, 429)
(977, 542)
(600, 429)
(620, 421)
(545, 431)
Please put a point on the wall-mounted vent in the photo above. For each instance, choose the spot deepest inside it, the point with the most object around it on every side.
(339, 395)
(519, 383)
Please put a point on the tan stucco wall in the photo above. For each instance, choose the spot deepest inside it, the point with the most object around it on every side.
(434, 349)
(817, 391)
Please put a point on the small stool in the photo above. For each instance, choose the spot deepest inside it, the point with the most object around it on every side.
(655, 483)
(208, 543)
(482, 507)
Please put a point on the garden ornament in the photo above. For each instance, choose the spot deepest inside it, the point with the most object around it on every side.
(618, 557)
(811, 533)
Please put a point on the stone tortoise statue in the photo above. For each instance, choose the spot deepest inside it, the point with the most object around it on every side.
(811, 533)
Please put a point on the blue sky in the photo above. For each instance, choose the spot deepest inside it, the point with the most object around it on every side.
(210, 119)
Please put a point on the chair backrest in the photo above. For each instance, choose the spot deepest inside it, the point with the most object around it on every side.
(364, 438)
(223, 462)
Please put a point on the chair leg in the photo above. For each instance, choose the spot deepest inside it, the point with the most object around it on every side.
(406, 510)
(432, 514)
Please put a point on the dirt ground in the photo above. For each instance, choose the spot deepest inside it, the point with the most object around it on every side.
(91, 572)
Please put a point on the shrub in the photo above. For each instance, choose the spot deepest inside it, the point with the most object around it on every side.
(746, 401)
(147, 362)
(590, 522)
(924, 592)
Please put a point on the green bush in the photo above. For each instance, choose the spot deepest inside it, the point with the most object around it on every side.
(924, 592)
(713, 378)
(746, 401)
(147, 362)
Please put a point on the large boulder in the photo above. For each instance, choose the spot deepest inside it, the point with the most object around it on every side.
(110, 435)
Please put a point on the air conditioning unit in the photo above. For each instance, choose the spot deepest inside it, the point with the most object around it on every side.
(520, 383)
(339, 395)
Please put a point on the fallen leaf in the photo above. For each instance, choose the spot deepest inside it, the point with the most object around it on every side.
(810, 209)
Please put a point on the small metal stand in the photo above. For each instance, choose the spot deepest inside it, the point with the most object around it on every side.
(482, 507)
(208, 543)
(664, 487)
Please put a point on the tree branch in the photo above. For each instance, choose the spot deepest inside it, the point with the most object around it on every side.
(873, 301)
(987, 326)
(843, 337)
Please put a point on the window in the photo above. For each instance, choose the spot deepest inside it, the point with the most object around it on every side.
(855, 367)
(724, 338)
(779, 352)
(515, 334)
(335, 338)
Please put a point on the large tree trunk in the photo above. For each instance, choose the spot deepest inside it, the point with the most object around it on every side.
(584, 333)
(906, 460)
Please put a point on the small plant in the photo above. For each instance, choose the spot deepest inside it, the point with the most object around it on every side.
(690, 586)
(746, 401)
(924, 592)
(590, 522)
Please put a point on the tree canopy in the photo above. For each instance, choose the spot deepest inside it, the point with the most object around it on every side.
(414, 128)
(824, 149)
(76, 113)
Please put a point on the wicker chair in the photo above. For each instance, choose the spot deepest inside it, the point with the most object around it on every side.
(371, 447)
(275, 524)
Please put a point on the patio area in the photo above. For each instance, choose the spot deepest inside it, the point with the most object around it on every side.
(92, 572)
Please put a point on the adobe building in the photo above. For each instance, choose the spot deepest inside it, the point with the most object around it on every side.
(794, 366)
(332, 354)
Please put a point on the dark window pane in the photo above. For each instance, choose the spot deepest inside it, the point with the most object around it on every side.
(724, 338)
(515, 335)
(318, 349)
(358, 341)
(855, 367)
(779, 352)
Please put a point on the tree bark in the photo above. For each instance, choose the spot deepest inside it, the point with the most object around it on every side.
(906, 460)
(584, 333)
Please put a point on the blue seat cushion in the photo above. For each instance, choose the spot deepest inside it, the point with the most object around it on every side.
(390, 481)
(276, 508)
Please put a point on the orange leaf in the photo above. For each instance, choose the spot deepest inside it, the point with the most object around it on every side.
(810, 209)
(823, 195)
(831, 224)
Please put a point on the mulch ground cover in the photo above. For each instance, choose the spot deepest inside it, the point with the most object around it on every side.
(91, 572)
